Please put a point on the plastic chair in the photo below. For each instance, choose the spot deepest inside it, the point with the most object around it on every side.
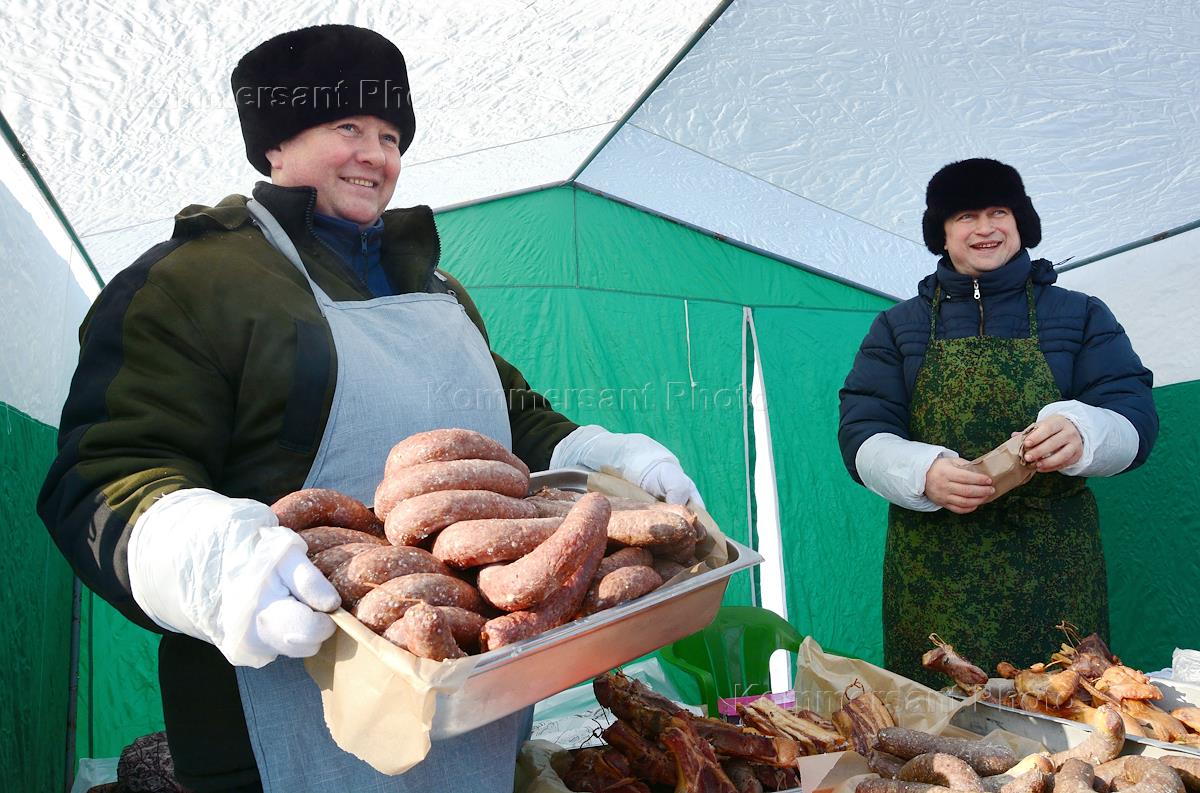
(731, 657)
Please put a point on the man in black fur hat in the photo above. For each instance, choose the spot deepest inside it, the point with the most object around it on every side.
(275, 343)
(988, 350)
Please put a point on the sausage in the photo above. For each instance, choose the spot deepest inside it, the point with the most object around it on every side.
(417, 480)
(681, 552)
(649, 527)
(464, 627)
(986, 758)
(316, 506)
(880, 785)
(1075, 776)
(1104, 744)
(448, 444)
(1149, 775)
(668, 568)
(937, 768)
(555, 610)
(530, 579)
(320, 538)
(619, 586)
(473, 543)
(884, 764)
(625, 557)
(329, 560)
(1188, 769)
(374, 566)
(549, 507)
(387, 602)
(425, 632)
(1028, 780)
(416, 518)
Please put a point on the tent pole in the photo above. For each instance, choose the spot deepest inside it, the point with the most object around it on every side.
(23, 156)
(654, 84)
(1162, 235)
(73, 680)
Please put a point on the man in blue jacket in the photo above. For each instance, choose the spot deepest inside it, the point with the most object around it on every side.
(990, 347)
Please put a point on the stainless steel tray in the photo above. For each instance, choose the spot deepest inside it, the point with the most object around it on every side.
(1052, 732)
(511, 678)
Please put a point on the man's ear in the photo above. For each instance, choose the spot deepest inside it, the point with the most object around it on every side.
(274, 156)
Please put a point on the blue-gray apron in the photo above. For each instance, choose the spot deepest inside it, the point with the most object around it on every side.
(405, 364)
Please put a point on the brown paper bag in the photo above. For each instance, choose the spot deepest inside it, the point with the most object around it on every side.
(1005, 465)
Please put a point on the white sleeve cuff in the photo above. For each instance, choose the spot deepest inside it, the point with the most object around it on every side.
(198, 563)
(895, 468)
(1110, 441)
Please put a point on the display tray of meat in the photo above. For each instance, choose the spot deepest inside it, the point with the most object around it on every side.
(1072, 696)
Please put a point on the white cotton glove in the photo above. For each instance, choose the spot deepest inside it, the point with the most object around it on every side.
(634, 457)
(895, 468)
(224, 571)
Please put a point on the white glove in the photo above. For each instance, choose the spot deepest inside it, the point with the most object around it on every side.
(634, 457)
(1110, 441)
(224, 571)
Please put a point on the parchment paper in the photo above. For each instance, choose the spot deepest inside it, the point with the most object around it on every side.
(380, 700)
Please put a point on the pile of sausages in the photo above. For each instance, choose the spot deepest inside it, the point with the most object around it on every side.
(911, 761)
(455, 558)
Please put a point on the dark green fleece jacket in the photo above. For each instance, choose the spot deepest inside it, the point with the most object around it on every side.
(207, 364)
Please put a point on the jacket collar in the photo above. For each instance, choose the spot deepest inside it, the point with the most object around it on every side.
(411, 247)
(1011, 277)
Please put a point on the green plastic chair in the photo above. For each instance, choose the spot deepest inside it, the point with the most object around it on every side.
(731, 657)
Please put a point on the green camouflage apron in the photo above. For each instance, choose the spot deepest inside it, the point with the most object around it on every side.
(995, 582)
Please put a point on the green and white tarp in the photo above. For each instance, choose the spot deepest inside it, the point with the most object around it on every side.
(678, 218)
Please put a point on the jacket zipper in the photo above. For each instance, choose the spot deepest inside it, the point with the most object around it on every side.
(979, 301)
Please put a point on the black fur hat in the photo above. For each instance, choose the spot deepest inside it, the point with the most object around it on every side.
(975, 184)
(306, 77)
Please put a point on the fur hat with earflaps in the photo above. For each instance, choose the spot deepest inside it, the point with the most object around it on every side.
(306, 77)
(976, 184)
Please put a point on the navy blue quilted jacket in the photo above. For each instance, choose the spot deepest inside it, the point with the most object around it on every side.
(1087, 349)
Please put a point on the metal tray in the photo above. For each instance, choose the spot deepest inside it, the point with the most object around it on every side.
(1052, 732)
(511, 678)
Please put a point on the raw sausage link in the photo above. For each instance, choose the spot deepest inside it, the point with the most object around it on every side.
(416, 518)
(473, 543)
(371, 568)
(619, 586)
(1188, 769)
(1034, 780)
(555, 610)
(1075, 776)
(317, 506)
(530, 579)
(682, 552)
(417, 480)
(320, 538)
(626, 557)
(387, 602)
(884, 764)
(448, 444)
(464, 626)
(668, 568)
(985, 758)
(937, 768)
(329, 560)
(649, 527)
(880, 785)
(426, 633)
